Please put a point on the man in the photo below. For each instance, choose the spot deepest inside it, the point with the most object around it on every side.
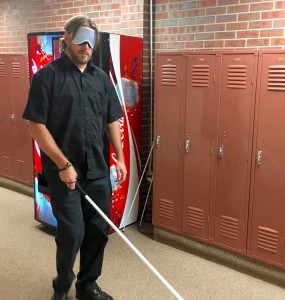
(71, 105)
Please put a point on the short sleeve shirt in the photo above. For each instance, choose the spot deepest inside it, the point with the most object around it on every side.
(75, 107)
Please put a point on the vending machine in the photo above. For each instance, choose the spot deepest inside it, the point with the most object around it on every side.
(120, 57)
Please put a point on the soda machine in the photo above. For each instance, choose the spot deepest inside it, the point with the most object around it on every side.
(120, 57)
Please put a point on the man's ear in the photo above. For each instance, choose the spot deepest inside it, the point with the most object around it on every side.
(66, 37)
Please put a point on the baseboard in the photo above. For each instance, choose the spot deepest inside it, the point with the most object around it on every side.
(238, 262)
(17, 186)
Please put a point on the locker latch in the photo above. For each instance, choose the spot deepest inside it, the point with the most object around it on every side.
(187, 146)
(158, 141)
(221, 151)
(259, 157)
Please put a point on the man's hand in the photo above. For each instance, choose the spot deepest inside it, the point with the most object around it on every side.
(69, 177)
(121, 171)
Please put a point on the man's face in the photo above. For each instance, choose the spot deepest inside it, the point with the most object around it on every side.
(79, 54)
(80, 48)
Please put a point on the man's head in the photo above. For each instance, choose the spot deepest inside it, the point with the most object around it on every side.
(80, 39)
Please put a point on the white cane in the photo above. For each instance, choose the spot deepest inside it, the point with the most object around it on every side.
(163, 280)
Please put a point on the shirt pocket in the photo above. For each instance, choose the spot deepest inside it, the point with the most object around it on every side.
(98, 103)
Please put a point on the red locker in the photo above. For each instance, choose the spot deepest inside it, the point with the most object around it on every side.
(267, 221)
(167, 170)
(199, 142)
(16, 146)
(6, 167)
(21, 139)
(237, 100)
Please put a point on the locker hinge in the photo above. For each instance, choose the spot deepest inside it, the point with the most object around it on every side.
(252, 80)
(211, 151)
(208, 218)
(214, 78)
(247, 157)
(181, 76)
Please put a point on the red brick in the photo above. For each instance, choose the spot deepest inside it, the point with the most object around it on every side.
(261, 6)
(216, 11)
(177, 30)
(195, 13)
(247, 34)
(194, 45)
(272, 33)
(235, 43)
(277, 41)
(67, 4)
(237, 26)
(278, 23)
(185, 37)
(260, 24)
(227, 2)
(279, 4)
(195, 28)
(215, 27)
(238, 9)
(257, 42)
(225, 35)
(249, 16)
(214, 44)
(204, 36)
(277, 14)
(206, 3)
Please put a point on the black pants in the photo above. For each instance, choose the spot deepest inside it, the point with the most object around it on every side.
(80, 227)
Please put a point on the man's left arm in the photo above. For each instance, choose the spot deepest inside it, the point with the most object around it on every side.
(114, 134)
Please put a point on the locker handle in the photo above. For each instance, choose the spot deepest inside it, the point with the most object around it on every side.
(187, 146)
(259, 157)
(221, 151)
(13, 117)
(158, 141)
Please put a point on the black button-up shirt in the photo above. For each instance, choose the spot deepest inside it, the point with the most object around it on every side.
(75, 107)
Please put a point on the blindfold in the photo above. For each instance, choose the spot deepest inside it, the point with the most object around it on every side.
(84, 35)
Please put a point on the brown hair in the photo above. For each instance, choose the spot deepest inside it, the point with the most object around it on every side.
(73, 24)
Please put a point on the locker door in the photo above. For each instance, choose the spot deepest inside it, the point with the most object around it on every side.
(21, 147)
(6, 166)
(198, 144)
(168, 97)
(268, 197)
(234, 148)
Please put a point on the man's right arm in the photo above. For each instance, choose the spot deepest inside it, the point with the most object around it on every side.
(47, 144)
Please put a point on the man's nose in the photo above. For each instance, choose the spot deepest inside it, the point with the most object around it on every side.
(85, 45)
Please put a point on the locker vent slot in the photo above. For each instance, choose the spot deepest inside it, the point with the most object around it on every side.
(201, 75)
(20, 167)
(229, 227)
(195, 217)
(276, 78)
(237, 75)
(169, 75)
(267, 239)
(6, 163)
(2, 69)
(16, 70)
(166, 209)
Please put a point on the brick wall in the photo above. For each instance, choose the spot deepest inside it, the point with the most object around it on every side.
(18, 17)
(214, 24)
